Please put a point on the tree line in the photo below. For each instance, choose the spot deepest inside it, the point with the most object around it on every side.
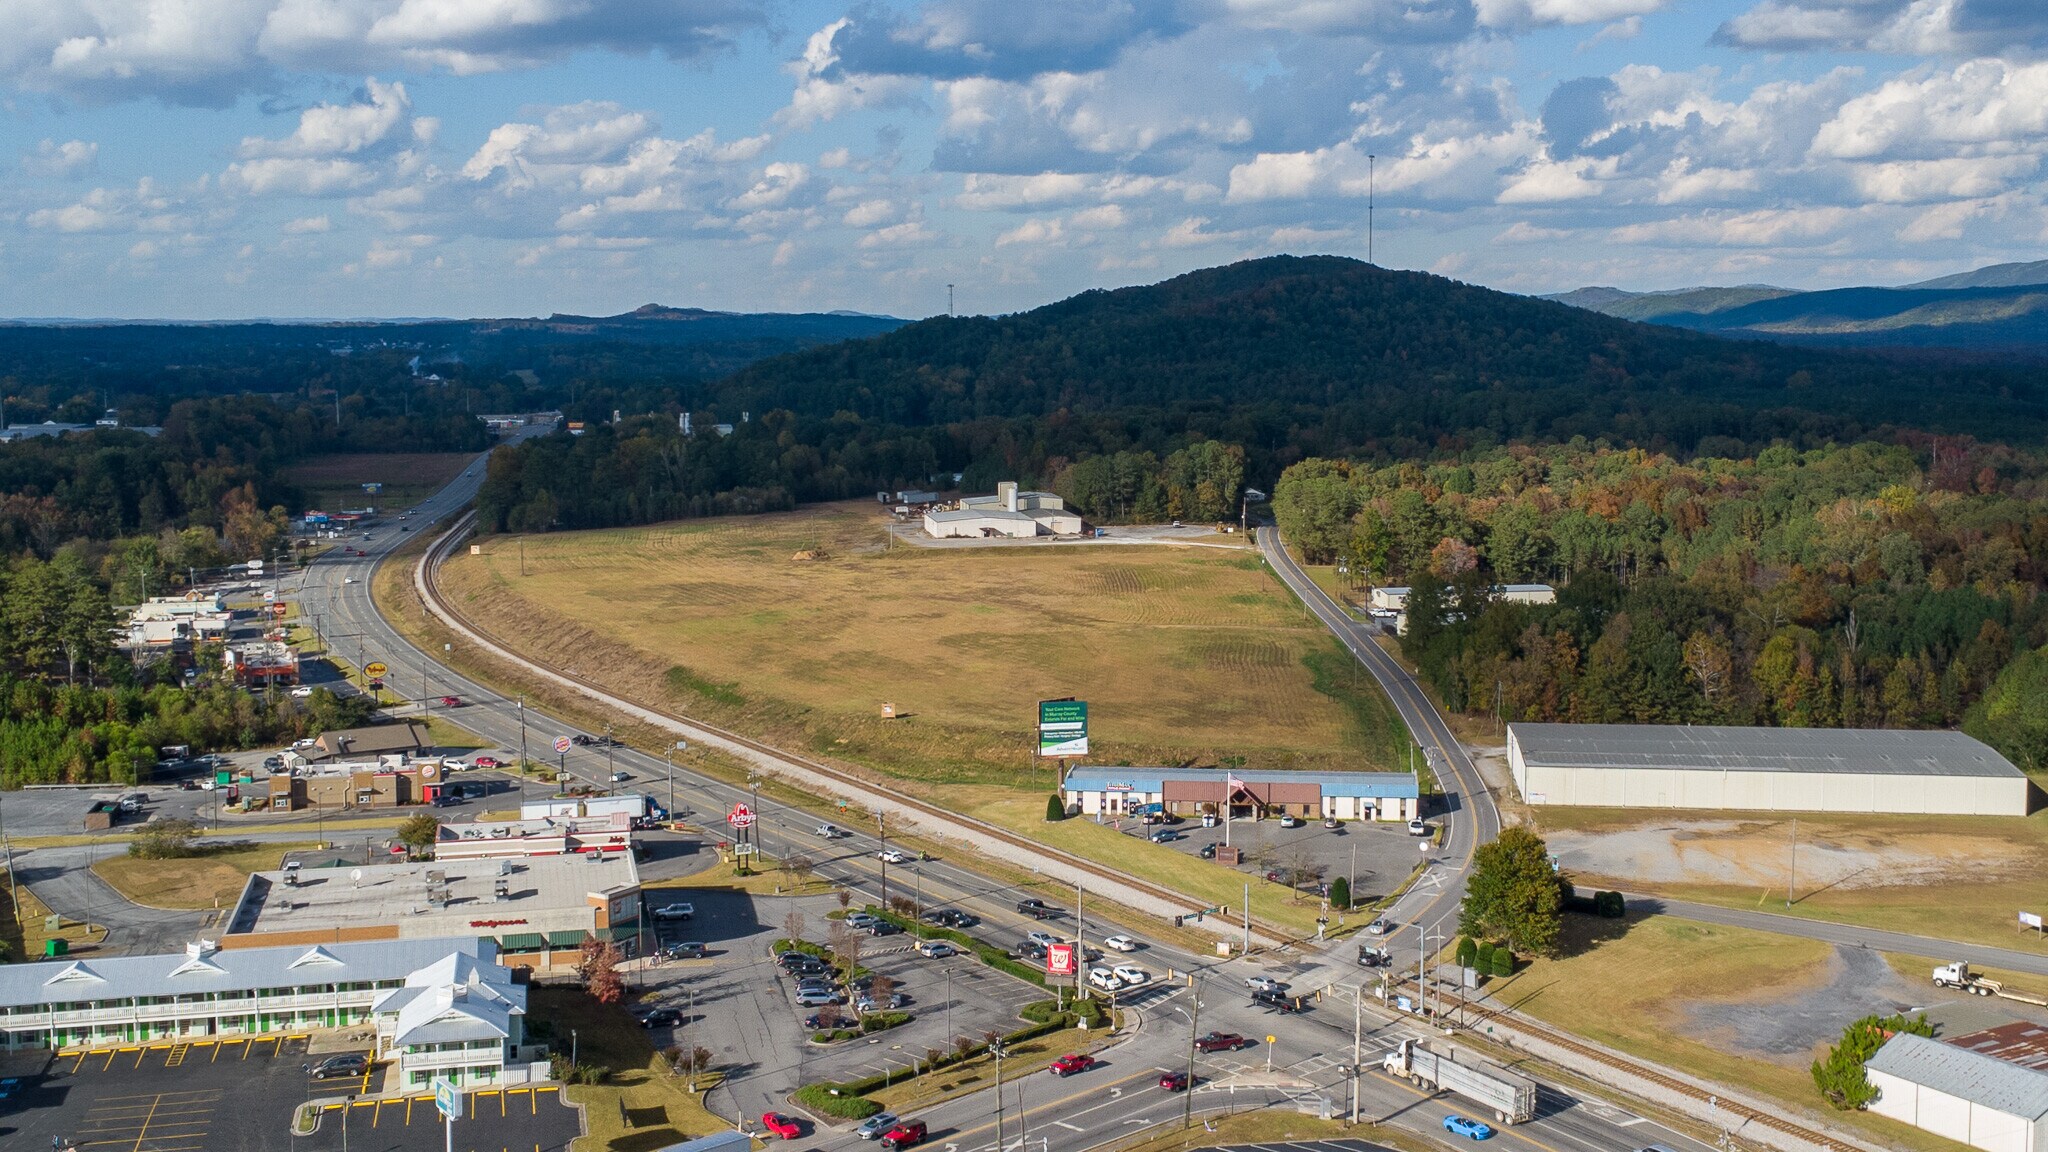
(1862, 585)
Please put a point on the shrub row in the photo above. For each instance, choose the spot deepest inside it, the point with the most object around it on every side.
(1486, 957)
(1610, 905)
(988, 954)
(819, 1098)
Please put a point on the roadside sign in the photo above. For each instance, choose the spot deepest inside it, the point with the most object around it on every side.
(562, 744)
(447, 1099)
(1059, 960)
(743, 849)
(1062, 728)
(377, 685)
(375, 668)
(277, 609)
(741, 816)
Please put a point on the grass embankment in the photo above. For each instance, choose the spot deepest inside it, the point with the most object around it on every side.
(765, 878)
(24, 932)
(1185, 655)
(1973, 874)
(210, 880)
(335, 481)
(640, 1106)
(1630, 985)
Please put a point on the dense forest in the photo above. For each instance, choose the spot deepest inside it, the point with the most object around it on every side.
(1872, 585)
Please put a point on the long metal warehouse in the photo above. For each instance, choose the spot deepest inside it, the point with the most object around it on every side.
(1763, 769)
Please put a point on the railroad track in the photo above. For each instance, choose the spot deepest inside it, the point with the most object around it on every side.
(1741, 1115)
(426, 583)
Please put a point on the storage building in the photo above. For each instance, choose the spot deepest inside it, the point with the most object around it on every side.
(1250, 794)
(1962, 1095)
(1763, 769)
(1007, 513)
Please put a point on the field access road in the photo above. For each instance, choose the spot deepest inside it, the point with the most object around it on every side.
(1471, 795)
(1466, 808)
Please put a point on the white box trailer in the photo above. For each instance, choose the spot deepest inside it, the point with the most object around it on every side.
(1511, 1098)
(636, 807)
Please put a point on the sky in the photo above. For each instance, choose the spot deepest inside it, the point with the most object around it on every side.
(207, 159)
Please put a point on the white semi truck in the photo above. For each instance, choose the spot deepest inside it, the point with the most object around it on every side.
(1958, 975)
(1511, 1098)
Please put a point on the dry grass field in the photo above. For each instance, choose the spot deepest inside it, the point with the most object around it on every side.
(1185, 655)
(336, 481)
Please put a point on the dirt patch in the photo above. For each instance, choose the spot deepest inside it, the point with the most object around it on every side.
(1761, 854)
(1792, 1025)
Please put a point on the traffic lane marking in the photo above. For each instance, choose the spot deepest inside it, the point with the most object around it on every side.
(1059, 1103)
(1431, 1097)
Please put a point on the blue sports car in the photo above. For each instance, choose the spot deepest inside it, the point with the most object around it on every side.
(1466, 1126)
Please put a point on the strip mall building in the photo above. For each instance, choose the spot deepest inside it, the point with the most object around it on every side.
(1250, 794)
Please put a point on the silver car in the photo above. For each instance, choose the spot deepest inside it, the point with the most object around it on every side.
(876, 1126)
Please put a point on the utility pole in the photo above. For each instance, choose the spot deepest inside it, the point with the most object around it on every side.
(1792, 880)
(1080, 945)
(1187, 1102)
(882, 833)
(996, 1050)
(949, 313)
(1357, 1040)
(609, 785)
(522, 742)
(1247, 918)
(1370, 173)
(681, 746)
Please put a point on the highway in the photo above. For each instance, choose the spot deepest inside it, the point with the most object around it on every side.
(1058, 1115)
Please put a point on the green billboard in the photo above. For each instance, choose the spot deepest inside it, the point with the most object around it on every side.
(1062, 728)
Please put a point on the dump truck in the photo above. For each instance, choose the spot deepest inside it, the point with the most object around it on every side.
(1511, 1098)
(1957, 975)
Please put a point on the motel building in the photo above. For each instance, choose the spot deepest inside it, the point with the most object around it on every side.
(439, 1007)
(1249, 794)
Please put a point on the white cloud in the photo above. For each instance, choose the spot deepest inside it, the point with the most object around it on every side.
(1959, 178)
(1107, 217)
(1762, 228)
(908, 234)
(1980, 104)
(143, 208)
(307, 225)
(296, 176)
(1033, 231)
(869, 213)
(778, 185)
(71, 158)
(340, 129)
(1524, 13)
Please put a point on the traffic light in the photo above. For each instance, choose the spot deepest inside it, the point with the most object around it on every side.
(1179, 920)
(1201, 916)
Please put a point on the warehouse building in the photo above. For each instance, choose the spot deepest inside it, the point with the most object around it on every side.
(538, 911)
(1962, 1095)
(1007, 513)
(1249, 794)
(441, 1007)
(1763, 769)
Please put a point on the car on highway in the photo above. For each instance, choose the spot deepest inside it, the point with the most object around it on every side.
(451, 701)
(1220, 1042)
(1037, 909)
(904, 1135)
(1458, 1125)
(1290, 820)
(783, 1126)
(951, 918)
(348, 579)
(1174, 1081)
(1042, 939)
(875, 1126)
(679, 911)
(830, 831)
(1277, 1001)
(621, 777)
(935, 949)
(1418, 828)
(1374, 956)
(1265, 984)
(1071, 1063)
(1104, 979)
(1380, 926)
(581, 741)
(347, 1066)
(1120, 943)
(1132, 975)
(892, 856)
(661, 1018)
(1031, 950)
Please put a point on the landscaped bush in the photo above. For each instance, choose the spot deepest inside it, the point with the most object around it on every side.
(1503, 961)
(845, 1106)
(1610, 905)
(1482, 956)
(1467, 952)
(1055, 810)
(988, 954)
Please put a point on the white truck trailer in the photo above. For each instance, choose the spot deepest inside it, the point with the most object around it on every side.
(1511, 1098)
(1958, 975)
(635, 807)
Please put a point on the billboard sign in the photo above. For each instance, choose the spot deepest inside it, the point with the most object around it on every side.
(1062, 728)
(562, 744)
(2030, 920)
(741, 816)
(447, 1099)
(375, 668)
(1059, 960)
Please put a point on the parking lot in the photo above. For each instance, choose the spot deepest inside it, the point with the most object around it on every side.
(239, 1095)
(736, 1003)
(1385, 853)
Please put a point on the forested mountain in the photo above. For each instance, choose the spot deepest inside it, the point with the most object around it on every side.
(1992, 276)
(1895, 585)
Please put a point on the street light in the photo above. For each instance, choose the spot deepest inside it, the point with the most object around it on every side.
(670, 756)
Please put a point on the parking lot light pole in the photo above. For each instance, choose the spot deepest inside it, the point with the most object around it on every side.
(680, 746)
(882, 832)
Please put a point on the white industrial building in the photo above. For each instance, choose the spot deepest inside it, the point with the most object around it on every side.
(1962, 1095)
(1763, 769)
(1249, 794)
(1390, 605)
(1007, 513)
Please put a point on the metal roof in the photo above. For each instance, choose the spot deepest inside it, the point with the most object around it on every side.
(1399, 785)
(1982, 1080)
(231, 970)
(959, 514)
(1685, 747)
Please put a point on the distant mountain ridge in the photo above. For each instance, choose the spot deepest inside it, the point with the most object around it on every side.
(2000, 307)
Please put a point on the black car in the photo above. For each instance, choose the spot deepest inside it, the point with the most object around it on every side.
(883, 928)
(581, 741)
(661, 1018)
(1036, 909)
(1208, 852)
(1031, 949)
(347, 1066)
(1277, 1001)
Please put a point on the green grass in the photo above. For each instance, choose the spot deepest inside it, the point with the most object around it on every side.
(213, 880)
(640, 1106)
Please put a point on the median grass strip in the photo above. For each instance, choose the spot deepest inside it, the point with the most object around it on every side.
(212, 879)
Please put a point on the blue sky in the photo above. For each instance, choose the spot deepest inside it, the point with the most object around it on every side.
(224, 158)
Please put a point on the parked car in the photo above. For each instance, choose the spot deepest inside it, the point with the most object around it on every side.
(1277, 1001)
(1165, 836)
(861, 920)
(346, 1066)
(661, 1018)
(904, 1135)
(1332, 823)
(301, 745)
(816, 997)
(874, 1126)
(302, 691)
(1458, 1125)
(1120, 943)
(488, 762)
(892, 856)
(680, 911)
(884, 928)
(273, 763)
(1418, 828)
(1038, 909)
(1265, 984)
(793, 958)
(1290, 820)
(865, 1003)
(1208, 819)
(1208, 851)
(1174, 1081)
(1071, 1063)
(783, 1126)
(935, 949)
(687, 950)
(1220, 1042)
(1132, 975)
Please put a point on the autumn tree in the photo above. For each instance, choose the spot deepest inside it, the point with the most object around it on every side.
(599, 969)
(1514, 894)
